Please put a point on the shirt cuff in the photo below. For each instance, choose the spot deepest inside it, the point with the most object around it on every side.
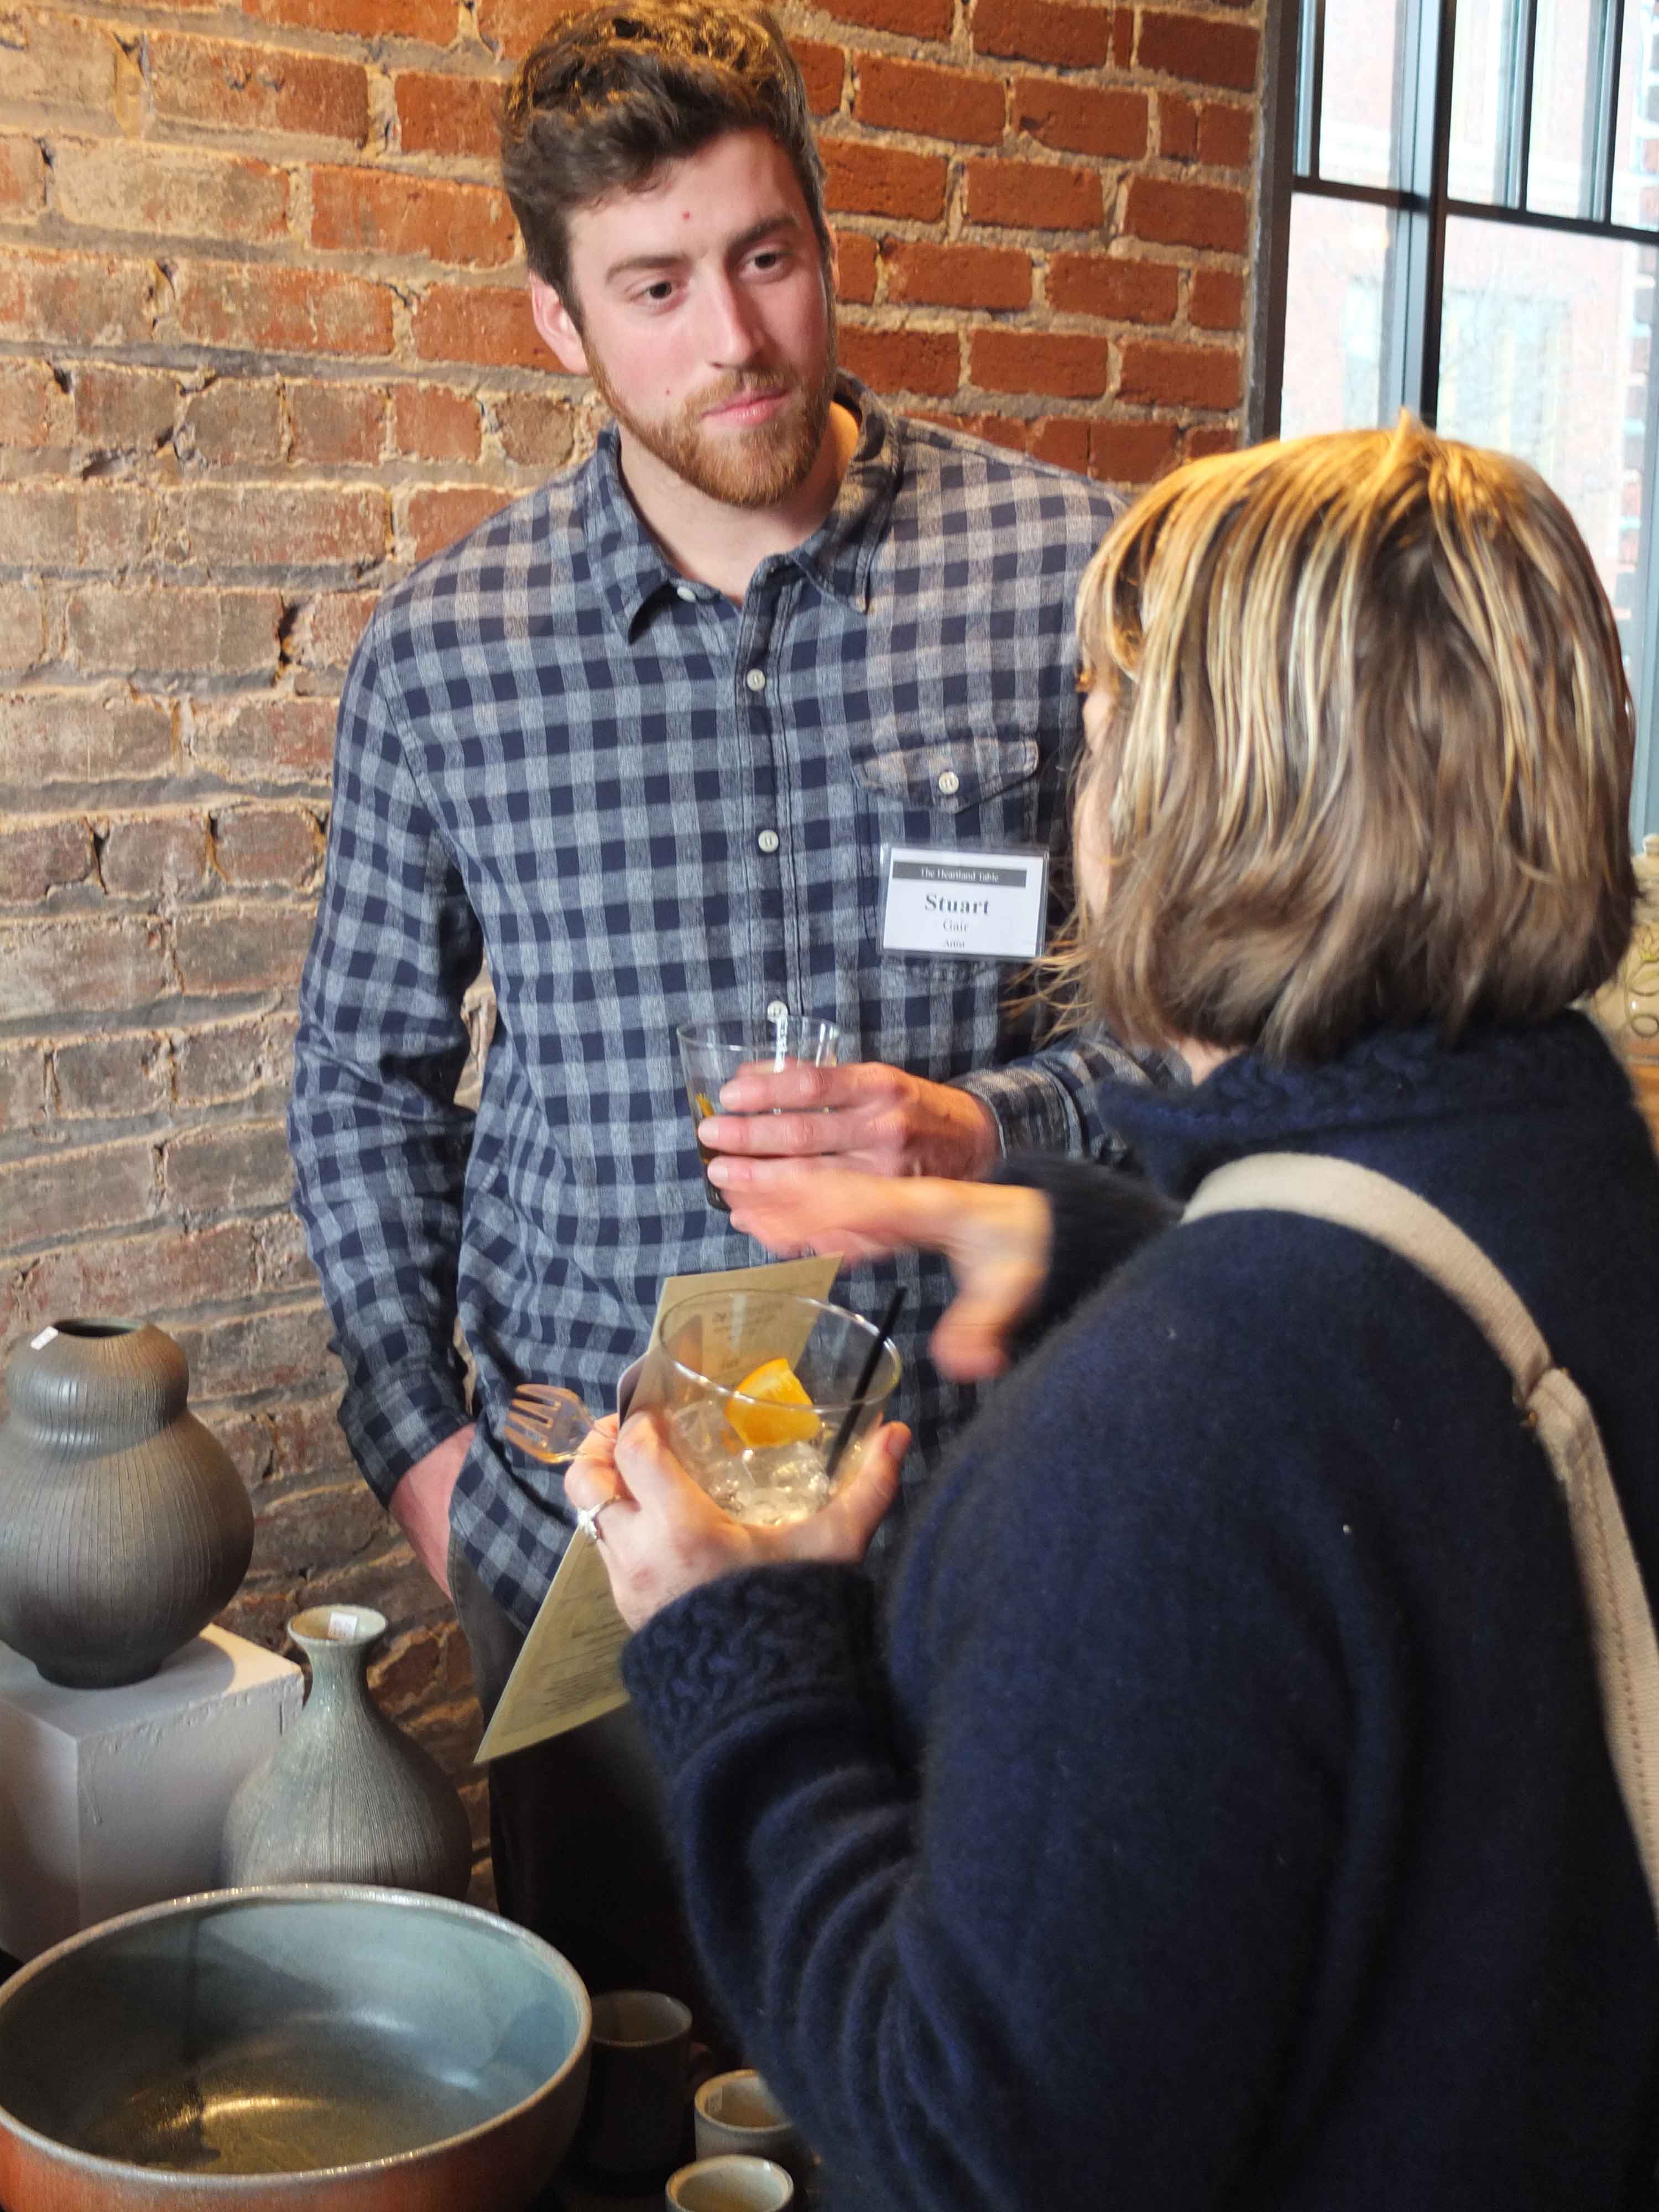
(397, 1415)
(746, 1641)
(1034, 1112)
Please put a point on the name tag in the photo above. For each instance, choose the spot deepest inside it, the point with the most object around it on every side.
(974, 906)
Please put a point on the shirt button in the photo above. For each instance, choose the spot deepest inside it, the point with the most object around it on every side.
(767, 841)
(683, 592)
(777, 1012)
(950, 783)
(755, 679)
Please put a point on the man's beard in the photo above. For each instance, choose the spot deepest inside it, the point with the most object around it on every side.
(749, 468)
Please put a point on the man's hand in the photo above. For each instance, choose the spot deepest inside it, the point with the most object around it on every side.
(420, 1503)
(867, 1116)
(997, 1238)
(662, 1535)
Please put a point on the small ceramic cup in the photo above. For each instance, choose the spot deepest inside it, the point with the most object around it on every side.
(642, 2065)
(729, 2184)
(737, 2113)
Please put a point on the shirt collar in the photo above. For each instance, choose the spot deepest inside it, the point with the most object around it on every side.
(631, 569)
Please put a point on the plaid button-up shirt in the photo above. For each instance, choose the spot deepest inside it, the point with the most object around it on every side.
(644, 805)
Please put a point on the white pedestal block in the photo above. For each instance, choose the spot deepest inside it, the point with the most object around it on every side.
(110, 1799)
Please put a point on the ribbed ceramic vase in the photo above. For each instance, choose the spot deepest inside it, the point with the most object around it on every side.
(123, 1524)
(346, 1796)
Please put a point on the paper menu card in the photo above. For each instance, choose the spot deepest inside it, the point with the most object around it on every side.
(567, 1671)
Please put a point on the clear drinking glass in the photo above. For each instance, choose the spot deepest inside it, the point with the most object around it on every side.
(711, 1053)
(765, 1452)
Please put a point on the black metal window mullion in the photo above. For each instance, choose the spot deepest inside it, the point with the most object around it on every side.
(1609, 61)
(1522, 75)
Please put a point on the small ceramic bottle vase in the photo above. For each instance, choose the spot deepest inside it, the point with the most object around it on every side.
(123, 1524)
(346, 1796)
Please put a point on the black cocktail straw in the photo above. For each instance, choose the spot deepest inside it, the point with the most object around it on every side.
(843, 1434)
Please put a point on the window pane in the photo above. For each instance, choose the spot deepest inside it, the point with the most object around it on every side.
(1359, 117)
(1636, 163)
(1341, 260)
(1544, 353)
(1564, 86)
(1481, 79)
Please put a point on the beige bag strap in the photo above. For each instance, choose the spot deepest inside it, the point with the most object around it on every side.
(1555, 1410)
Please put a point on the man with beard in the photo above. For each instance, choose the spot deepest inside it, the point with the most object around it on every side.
(638, 744)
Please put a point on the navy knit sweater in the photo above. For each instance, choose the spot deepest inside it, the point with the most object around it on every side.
(1221, 1816)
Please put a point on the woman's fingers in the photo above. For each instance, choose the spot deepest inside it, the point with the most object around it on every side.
(842, 1209)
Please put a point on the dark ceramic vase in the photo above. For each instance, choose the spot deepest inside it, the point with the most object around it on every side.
(347, 1796)
(124, 1525)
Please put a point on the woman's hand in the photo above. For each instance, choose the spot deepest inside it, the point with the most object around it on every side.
(997, 1238)
(661, 1535)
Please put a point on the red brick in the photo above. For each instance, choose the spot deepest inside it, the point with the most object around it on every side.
(162, 858)
(995, 429)
(1066, 367)
(514, 26)
(22, 626)
(119, 410)
(35, 410)
(305, 1437)
(939, 103)
(334, 425)
(110, 1078)
(1179, 375)
(908, 19)
(169, 630)
(1198, 49)
(903, 361)
(434, 520)
(232, 528)
(246, 88)
(282, 310)
(1063, 440)
(81, 738)
(267, 846)
(1043, 31)
(43, 1200)
(41, 856)
(1131, 453)
(266, 740)
(1077, 118)
(242, 1061)
(115, 962)
(327, 627)
(227, 1168)
(469, 322)
(1124, 291)
(370, 211)
(1216, 301)
(1034, 195)
(433, 21)
(1207, 438)
(435, 424)
(823, 71)
(855, 266)
(112, 184)
(988, 277)
(152, 1273)
(333, 1520)
(226, 528)
(1124, 38)
(1172, 213)
(535, 430)
(56, 61)
(1177, 127)
(97, 525)
(228, 947)
(866, 179)
(114, 526)
(37, 526)
(22, 178)
(22, 1104)
(234, 420)
(277, 1349)
(77, 299)
(1226, 136)
(452, 115)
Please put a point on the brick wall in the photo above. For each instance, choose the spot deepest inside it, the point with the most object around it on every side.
(264, 345)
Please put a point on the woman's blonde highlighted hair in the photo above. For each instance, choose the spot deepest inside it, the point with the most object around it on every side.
(1368, 755)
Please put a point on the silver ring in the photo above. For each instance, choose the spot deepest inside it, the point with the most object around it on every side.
(588, 1519)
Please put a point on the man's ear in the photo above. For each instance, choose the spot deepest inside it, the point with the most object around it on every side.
(557, 326)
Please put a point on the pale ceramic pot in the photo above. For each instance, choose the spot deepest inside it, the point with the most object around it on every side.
(346, 1796)
(123, 1524)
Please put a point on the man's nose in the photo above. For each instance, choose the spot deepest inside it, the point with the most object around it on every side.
(734, 331)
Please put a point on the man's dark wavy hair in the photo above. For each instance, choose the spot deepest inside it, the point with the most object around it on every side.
(611, 96)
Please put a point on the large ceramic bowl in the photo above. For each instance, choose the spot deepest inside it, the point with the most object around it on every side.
(317, 2048)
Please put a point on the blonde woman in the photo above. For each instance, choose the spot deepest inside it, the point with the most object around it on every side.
(1222, 1814)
